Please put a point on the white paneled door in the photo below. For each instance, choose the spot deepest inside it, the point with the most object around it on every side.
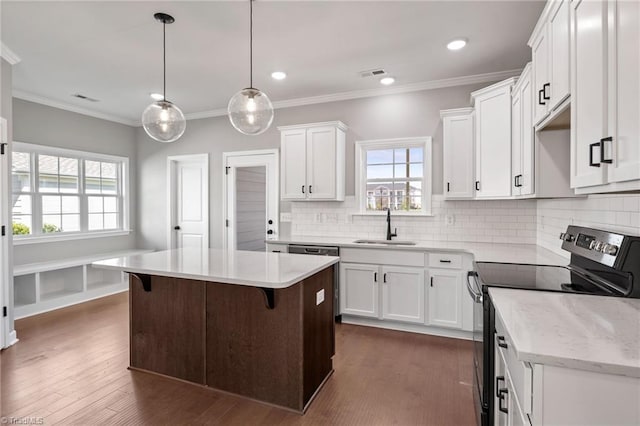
(5, 277)
(189, 201)
(252, 202)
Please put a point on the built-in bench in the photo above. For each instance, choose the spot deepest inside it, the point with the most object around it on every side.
(44, 286)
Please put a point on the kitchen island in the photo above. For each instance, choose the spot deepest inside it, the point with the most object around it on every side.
(254, 324)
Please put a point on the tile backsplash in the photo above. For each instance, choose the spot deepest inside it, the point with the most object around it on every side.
(612, 212)
(501, 221)
(507, 221)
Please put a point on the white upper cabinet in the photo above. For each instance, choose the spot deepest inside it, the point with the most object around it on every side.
(522, 152)
(458, 153)
(493, 140)
(550, 43)
(313, 161)
(605, 153)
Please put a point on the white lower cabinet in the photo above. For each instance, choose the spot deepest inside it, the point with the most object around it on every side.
(444, 298)
(402, 294)
(359, 289)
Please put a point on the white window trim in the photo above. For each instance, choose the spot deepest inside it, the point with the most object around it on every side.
(424, 142)
(83, 155)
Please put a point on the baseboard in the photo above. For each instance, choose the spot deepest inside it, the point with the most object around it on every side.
(12, 340)
(411, 328)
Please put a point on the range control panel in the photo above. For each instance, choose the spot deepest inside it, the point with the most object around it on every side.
(601, 246)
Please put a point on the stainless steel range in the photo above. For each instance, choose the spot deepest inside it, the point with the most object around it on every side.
(602, 263)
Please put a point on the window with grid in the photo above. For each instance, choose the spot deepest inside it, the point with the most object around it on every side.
(395, 174)
(58, 191)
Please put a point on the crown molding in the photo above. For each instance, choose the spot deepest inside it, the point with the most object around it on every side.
(357, 94)
(8, 54)
(25, 96)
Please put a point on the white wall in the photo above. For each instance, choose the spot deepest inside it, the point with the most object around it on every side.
(392, 116)
(43, 125)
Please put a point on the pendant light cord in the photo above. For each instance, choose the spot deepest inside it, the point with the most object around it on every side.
(251, 43)
(164, 61)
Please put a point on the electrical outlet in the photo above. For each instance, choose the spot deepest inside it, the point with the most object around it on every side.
(320, 297)
(285, 217)
(449, 220)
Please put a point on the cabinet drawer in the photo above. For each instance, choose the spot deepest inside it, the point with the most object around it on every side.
(382, 257)
(521, 373)
(445, 260)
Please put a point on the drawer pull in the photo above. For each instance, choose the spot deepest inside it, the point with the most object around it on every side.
(501, 342)
(445, 261)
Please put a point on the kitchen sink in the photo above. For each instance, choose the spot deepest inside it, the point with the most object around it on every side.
(387, 242)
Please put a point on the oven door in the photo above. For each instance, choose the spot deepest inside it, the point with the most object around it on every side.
(479, 318)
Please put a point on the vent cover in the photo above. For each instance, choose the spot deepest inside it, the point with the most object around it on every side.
(84, 98)
(372, 73)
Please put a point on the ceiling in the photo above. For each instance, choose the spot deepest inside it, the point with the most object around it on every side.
(112, 50)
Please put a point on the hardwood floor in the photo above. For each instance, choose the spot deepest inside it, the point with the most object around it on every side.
(70, 367)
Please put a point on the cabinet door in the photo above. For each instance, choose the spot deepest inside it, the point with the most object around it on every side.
(359, 289)
(445, 298)
(403, 294)
(516, 142)
(588, 92)
(540, 63)
(321, 162)
(624, 91)
(493, 144)
(293, 152)
(500, 394)
(559, 53)
(527, 178)
(458, 156)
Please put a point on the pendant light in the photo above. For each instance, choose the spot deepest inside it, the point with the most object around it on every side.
(250, 110)
(162, 120)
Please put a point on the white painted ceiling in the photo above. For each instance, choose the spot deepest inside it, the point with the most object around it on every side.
(112, 50)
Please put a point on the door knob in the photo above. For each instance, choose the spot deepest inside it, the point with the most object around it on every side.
(270, 222)
(270, 232)
(177, 228)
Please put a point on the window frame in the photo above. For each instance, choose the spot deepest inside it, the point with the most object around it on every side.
(361, 147)
(122, 196)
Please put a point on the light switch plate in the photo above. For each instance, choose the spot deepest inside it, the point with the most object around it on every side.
(320, 297)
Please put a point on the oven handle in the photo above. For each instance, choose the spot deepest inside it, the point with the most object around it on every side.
(477, 297)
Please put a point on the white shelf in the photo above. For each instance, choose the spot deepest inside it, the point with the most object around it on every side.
(46, 286)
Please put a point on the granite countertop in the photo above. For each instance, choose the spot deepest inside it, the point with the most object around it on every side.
(250, 268)
(595, 333)
(482, 252)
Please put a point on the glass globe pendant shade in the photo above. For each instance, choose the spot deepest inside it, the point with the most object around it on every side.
(163, 121)
(250, 111)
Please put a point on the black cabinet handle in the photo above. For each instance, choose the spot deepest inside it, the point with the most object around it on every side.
(593, 145)
(501, 342)
(540, 101)
(276, 251)
(448, 187)
(477, 185)
(303, 189)
(177, 228)
(544, 91)
(375, 277)
(501, 394)
(498, 380)
(310, 191)
(445, 261)
(431, 281)
(384, 277)
(602, 141)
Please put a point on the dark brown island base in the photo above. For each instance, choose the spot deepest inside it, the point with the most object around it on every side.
(270, 338)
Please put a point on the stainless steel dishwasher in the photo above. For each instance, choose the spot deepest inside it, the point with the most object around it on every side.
(324, 251)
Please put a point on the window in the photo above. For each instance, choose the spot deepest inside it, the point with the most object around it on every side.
(394, 174)
(59, 192)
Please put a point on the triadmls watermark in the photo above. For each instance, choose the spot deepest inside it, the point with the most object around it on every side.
(22, 420)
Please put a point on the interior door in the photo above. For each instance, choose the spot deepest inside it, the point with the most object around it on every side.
(5, 277)
(189, 218)
(252, 199)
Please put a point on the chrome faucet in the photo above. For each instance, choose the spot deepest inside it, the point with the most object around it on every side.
(395, 232)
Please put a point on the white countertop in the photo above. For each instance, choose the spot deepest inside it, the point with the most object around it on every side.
(585, 332)
(257, 269)
(482, 252)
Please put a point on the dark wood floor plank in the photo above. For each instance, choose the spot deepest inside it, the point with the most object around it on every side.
(70, 367)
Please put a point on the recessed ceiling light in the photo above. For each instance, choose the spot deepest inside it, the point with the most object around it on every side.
(156, 96)
(278, 75)
(457, 44)
(387, 80)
